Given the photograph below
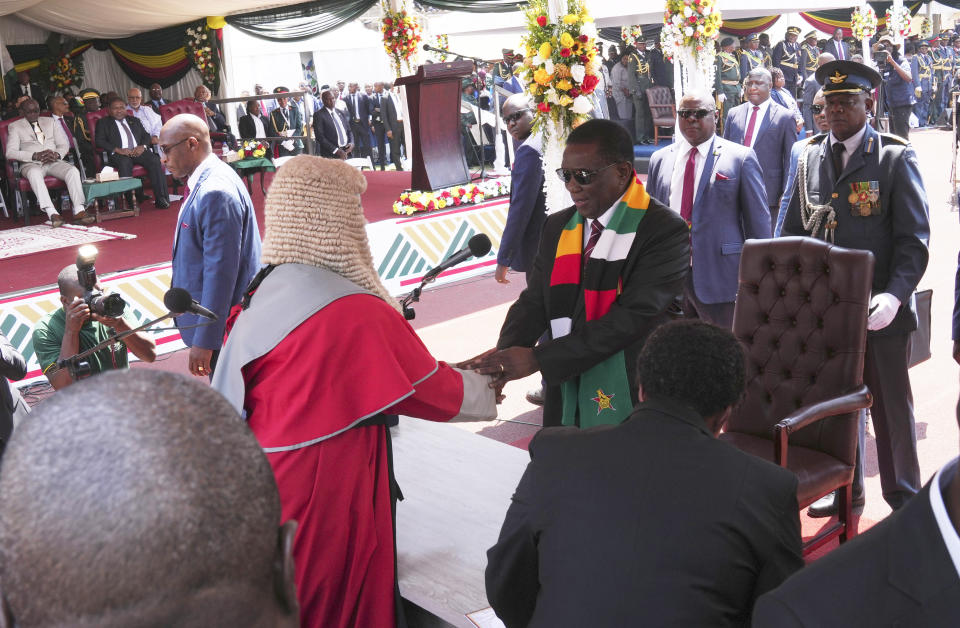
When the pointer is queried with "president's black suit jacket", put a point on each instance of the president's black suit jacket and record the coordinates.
(108, 135)
(653, 522)
(653, 275)
(897, 573)
(248, 130)
(325, 132)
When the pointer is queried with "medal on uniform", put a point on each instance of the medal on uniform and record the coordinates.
(864, 198)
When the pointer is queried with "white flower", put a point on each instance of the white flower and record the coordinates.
(688, 31)
(589, 29)
(548, 66)
(552, 97)
(686, 11)
(577, 72)
(581, 104)
(537, 61)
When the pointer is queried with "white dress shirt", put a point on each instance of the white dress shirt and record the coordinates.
(682, 152)
(149, 118)
(124, 137)
(851, 144)
(341, 133)
(756, 125)
(258, 126)
(603, 219)
(947, 531)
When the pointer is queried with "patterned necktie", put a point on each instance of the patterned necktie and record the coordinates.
(41, 137)
(748, 138)
(686, 199)
(838, 148)
(595, 230)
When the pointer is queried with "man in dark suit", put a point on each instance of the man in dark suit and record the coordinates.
(25, 87)
(216, 121)
(653, 522)
(837, 47)
(331, 128)
(13, 408)
(156, 97)
(766, 127)
(606, 271)
(863, 190)
(358, 106)
(377, 105)
(393, 124)
(901, 572)
(126, 143)
(717, 187)
(253, 124)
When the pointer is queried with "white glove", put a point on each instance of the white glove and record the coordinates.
(722, 98)
(883, 309)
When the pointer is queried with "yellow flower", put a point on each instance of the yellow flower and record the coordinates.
(566, 40)
(545, 50)
(541, 76)
(566, 101)
(564, 84)
(571, 18)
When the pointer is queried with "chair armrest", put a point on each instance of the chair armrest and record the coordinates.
(15, 165)
(859, 399)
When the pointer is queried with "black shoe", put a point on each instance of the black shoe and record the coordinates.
(143, 197)
(162, 204)
(827, 505)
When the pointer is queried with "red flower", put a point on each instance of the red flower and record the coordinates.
(692, 19)
(584, 59)
(542, 20)
(445, 194)
(589, 83)
(574, 92)
(584, 38)
(565, 52)
(456, 201)
(388, 21)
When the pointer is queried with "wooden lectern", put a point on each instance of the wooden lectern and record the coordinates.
(433, 103)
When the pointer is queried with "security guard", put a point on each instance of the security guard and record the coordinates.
(936, 88)
(862, 190)
(638, 83)
(921, 70)
(750, 56)
(727, 84)
(786, 56)
(90, 100)
(948, 63)
(809, 53)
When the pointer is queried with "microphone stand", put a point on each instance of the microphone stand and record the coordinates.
(476, 68)
(74, 363)
(414, 295)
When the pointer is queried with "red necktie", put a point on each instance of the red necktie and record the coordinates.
(748, 138)
(595, 230)
(686, 199)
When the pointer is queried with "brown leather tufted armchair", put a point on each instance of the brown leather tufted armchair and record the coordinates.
(801, 315)
(663, 110)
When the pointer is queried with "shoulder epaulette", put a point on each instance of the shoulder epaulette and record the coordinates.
(888, 138)
(817, 139)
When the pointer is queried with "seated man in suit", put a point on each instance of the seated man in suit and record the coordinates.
(156, 97)
(253, 124)
(120, 557)
(717, 187)
(653, 522)
(216, 122)
(40, 145)
(606, 271)
(332, 129)
(766, 127)
(126, 143)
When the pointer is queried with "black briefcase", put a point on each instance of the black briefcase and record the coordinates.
(919, 346)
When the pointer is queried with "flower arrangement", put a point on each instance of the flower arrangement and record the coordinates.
(926, 27)
(252, 149)
(442, 42)
(64, 72)
(631, 34)
(691, 25)
(472, 193)
(200, 52)
(401, 37)
(863, 22)
(898, 20)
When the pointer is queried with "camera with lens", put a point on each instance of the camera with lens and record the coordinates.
(112, 304)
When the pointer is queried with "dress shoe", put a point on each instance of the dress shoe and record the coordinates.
(143, 197)
(162, 204)
(56, 220)
(827, 505)
(83, 218)
(535, 396)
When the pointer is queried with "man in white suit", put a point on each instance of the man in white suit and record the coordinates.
(40, 145)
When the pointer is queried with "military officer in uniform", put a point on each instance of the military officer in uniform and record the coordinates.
(727, 84)
(750, 55)
(936, 87)
(921, 71)
(639, 82)
(764, 49)
(947, 62)
(809, 53)
(786, 56)
(862, 189)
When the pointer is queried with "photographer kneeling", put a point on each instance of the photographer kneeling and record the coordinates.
(74, 328)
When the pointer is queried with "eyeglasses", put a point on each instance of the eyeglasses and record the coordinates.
(581, 176)
(816, 109)
(515, 116)
(169, 148)
(699, 114)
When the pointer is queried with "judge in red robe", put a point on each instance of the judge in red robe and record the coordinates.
(317, 360)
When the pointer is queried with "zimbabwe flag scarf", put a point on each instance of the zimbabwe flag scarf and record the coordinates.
(600, 395)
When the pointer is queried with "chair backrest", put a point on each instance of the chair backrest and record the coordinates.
(663, 109)
(92, 119)
(187, 105)
(801, 316)
(4, 134)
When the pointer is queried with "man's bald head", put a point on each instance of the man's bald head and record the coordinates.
(185, 141)
(141, 498)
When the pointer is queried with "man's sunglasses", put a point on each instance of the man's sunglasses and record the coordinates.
(816, 109)
(699, 114)
(513, 117)
(581, 176)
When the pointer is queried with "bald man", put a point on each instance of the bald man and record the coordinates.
(118, 508)
(216, 248)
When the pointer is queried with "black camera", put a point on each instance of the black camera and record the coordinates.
(112, 304)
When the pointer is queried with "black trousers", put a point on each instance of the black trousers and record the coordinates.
(361, 138)
(381, 134)
(395, 143)
(151, 163)
(900, 120)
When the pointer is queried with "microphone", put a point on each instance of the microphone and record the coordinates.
(477, 246)
(179, 301)
(432, 49)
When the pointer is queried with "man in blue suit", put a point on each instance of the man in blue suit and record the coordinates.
(216, 249)
(766, 127)
(717, 187)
